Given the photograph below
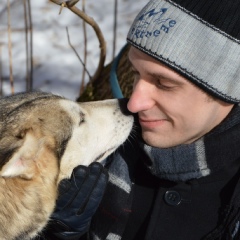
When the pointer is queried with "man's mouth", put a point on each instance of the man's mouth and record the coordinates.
(151, 123)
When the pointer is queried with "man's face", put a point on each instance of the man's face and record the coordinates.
(171, 109)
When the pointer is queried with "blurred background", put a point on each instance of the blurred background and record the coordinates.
(46, 46)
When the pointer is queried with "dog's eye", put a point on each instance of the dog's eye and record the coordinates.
(21, 135)
(81, 121)
(82, 118)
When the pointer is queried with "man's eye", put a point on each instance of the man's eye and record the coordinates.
(164, 86)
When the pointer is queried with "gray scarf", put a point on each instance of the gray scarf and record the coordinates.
(179, 163)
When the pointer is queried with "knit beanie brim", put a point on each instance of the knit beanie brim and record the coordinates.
(195, 46)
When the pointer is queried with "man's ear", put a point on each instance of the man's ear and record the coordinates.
(22, 161)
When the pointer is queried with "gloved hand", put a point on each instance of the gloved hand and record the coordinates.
(79, 198)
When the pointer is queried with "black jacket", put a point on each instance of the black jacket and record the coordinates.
(170, 211)
(164, 210)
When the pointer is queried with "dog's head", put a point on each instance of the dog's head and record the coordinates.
(46, 133)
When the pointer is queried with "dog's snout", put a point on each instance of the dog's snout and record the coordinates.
(123, 106)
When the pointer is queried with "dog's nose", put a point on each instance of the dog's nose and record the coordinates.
(123, 106)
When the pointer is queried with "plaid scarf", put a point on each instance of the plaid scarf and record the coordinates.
(181, 163)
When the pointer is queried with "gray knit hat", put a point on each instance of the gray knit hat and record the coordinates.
(200, 39)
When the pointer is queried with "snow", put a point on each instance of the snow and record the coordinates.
(56, 67)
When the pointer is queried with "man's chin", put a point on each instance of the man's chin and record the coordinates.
(152, 141)
(156, 141)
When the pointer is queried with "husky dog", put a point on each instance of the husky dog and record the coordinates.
(43, 137)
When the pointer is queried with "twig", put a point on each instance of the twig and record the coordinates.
(70, 5)
(10, 50)
(26, 42)
(85, 52)
(31, 45)
(70, 44)
(1, 79)
(115, 27)
(29, 54)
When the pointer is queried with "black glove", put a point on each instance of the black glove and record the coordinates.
(79, 198)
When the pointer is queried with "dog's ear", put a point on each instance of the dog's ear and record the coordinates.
(22, 159)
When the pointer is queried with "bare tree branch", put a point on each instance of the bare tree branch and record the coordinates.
(115, 28)
(70, 44)
(10, 50)
(1, 79)
(31, 45)
(26, 43)
(82, 87)
(102, 44)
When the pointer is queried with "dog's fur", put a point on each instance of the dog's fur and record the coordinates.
(43, 137)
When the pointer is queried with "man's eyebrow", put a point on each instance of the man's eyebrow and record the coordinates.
(157, 75)
(165, 77)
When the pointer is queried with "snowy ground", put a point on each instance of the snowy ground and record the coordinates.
(56, 67)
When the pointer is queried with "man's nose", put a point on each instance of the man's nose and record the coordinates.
(141, 98)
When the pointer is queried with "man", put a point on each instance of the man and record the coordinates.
(179, 179)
